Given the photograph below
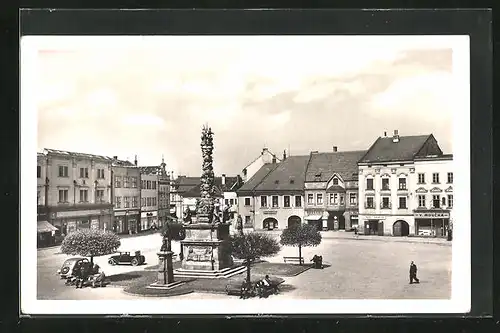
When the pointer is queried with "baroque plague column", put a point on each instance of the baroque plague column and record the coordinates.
(206, 248)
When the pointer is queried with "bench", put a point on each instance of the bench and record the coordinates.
(296, 260)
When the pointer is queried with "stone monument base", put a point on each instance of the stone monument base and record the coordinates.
(167, 286)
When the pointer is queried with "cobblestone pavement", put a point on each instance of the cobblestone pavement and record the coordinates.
(357, 269)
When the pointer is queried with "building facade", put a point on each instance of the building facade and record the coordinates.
(126, 197)
(251, 169)
(388, 183)
(149, 198)
(163, 195)
(77, 190)
(273, 198)
(433, 195)
(331, 189)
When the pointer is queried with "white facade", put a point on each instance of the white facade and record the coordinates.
(389, 200)
(264, 158)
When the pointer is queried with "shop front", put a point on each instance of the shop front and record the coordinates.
(148, 220)
(432, 223)
(72, 220)
(354, 223)
(125, 222)
(374, 225)
(317, 218)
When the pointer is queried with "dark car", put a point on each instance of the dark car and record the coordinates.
(66, 270)
(126, 258)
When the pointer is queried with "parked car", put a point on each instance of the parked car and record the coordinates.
(425, 232)
(126, 258)
(68, 265)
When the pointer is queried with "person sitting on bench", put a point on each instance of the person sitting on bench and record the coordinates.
(97, 276)
(317, 261)
(245, 289)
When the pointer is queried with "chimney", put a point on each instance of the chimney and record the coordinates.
(284, 155)
(223, 179)
(264, 150)
(385, 134)
(115, 157)
(395, 137)
(334, 149)
(135, 160)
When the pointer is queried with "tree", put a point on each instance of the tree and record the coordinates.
(90, 243)
(252, 246)
(301, 235)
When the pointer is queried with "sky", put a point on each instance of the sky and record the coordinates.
(151, 96)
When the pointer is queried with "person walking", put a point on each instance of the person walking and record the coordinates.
(355, 232)
(413, 273)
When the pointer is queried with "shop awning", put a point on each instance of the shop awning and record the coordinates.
(313, 217)
(44, 226)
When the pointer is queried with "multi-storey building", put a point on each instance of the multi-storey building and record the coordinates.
(178, 188)
(77, 190)
(149, 197)
(275, 199)
(433, 195)
(265, 157)
(126, 196)
(388, 180)
(331, 189)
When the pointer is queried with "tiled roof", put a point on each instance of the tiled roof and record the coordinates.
(76, 155)
(123, 163)
(255, 180)
(287, 176)
(150, 170)
(190, 186)
(384, 150)
(322, 166)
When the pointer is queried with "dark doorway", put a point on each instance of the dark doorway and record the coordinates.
(270, 223)
(317, 223)
(293, 221)
(400, 228)
(372, 227)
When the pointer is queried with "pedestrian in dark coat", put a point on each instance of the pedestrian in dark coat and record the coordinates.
(413, 273)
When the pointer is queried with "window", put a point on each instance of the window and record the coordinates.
(385, 202)
(100, 173)
(263, 201)
(319, 198)
(450, 177)
(135, 201)
(84, 195)
(38, 197)
(421, 200)
(226, 202)
(369, 202)
(126, 181)
(99, 196)
(232, 202)
(298, 201)
(402, 203)
(286, 201)
(421, 178)
(402, 183)
(331, 198)
(148, 201)
(435, 201)
(84, 172)
(63, 195)
(153, 183)
(126, 202)
(335, 181)
(310, 199)
(63, 171)
(143, 184)
(450, 200)
(118, 202)
(443, 201)
(369, 184)
(247, 201)
(275, 201)
(352, 198)
(118, 181)
(435, 178)
(148, 184)
(155, 201)
(143, 202)
(248, 220)
(133, 181)
(385, 183)
(38, 171)
(341, 199)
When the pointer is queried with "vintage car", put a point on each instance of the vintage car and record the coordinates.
(66, 270)
(126, 258)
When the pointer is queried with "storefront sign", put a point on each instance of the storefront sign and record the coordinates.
(270, 212)
(375, 217)
(78, 213)
(432, 215)
(354, 216)
(149, 214)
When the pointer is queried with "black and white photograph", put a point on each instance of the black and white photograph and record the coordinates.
(252, 174)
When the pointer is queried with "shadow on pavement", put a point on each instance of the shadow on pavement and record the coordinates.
(123, 277)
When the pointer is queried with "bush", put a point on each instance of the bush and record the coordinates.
(90, 243)
(301, 236)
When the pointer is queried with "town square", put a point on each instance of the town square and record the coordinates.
(239, 176)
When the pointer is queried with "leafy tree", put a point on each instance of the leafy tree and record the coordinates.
(301, 235)
(252, 246)
(90, 243)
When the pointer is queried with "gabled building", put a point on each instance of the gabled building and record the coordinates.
(274, 196)
(150, 178)
(251, 169)
(394, 193)
(331, 189)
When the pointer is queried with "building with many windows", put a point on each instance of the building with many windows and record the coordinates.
(273, 197)
(75, 190)
(389, 188)
(331, 189)
(126, 196)
(149, 197)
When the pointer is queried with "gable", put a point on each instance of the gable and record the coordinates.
(430, 147)
(436, 190)
(421, 190)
